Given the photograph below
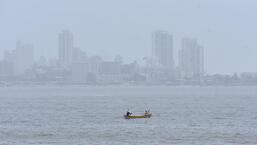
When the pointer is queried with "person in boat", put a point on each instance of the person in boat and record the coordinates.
(147, 112)
(128, 113)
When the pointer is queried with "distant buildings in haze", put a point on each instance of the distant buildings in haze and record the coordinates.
(24, 57)
(162, 49)
(19, 60)
(66, 47)
(74, 66)
(191, 58)
(190, 63)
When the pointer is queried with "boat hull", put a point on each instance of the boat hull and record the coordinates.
(138, 117)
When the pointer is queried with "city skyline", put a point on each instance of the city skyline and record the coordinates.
(74, 66)
(113, 28)
(67, 36)
(162, 50)
(111, 57)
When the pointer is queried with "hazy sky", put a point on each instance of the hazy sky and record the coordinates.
(226, 28)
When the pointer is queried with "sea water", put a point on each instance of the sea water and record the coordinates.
(93, 115)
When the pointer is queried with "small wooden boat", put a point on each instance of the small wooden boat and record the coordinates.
(138, 116)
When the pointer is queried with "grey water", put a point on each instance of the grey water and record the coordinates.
(87, 115)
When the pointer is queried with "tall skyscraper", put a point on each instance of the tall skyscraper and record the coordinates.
(66, 47)
(162, 49)
(191, 57)
(24, 57)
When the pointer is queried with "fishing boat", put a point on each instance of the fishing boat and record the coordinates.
(146, 115)
(137, 116)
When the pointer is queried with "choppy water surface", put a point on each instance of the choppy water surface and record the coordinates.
(93, 115)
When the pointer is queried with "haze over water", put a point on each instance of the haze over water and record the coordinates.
(70, 70)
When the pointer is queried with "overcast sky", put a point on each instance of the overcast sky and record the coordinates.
(226, 28)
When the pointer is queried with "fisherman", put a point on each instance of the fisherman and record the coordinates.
(147, 112)
(128, 113)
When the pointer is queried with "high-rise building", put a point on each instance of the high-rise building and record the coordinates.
(24, 57)
(191, 56)
(66, 47)
(162, 49)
